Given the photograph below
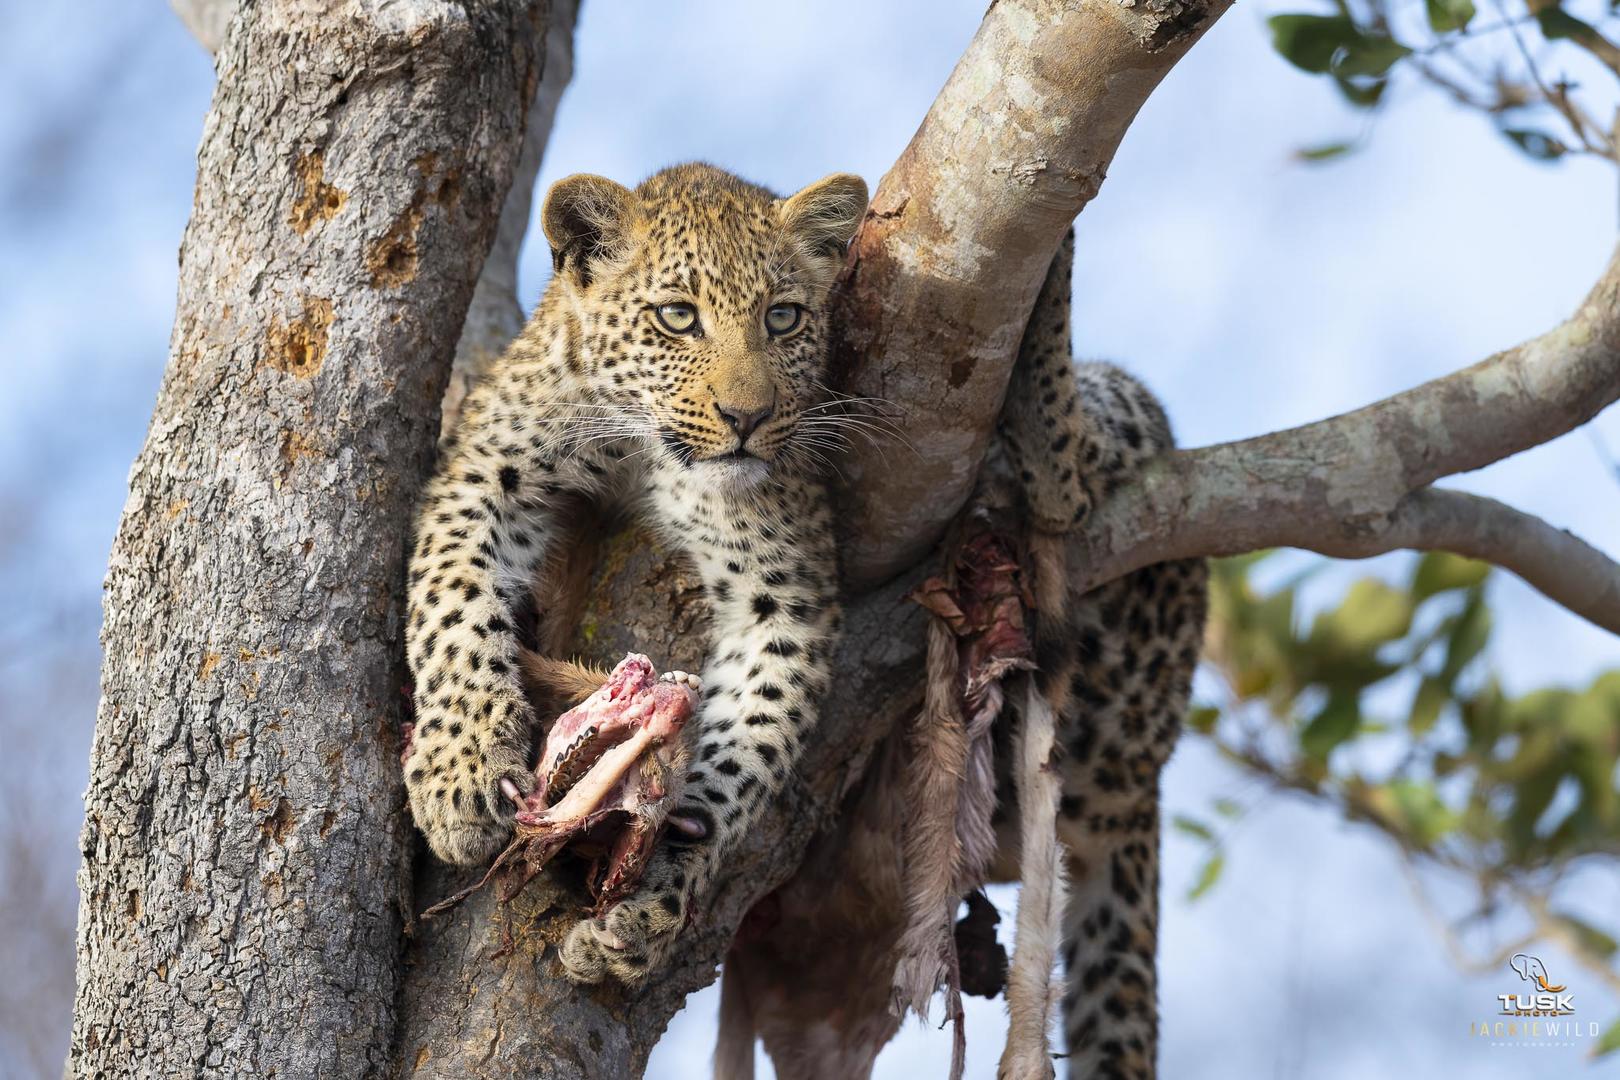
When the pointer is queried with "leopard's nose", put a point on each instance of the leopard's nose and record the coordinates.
(743, 421)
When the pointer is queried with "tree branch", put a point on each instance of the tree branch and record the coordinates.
(961, 232)
(1354, 485)
(1566, 569)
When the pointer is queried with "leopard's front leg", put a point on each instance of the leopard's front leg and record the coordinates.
(767, 561)
(485, 522)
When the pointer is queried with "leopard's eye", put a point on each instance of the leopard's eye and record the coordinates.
(783, 318)
(677, 318)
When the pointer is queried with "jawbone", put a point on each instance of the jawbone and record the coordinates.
(610, 772)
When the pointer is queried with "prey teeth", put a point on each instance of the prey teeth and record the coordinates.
(573, 762)
(682, 678)
(580, 755)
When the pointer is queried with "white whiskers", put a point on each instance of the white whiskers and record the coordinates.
(588, 425)
(834, 424)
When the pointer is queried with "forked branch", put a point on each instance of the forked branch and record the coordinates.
(1358, 484)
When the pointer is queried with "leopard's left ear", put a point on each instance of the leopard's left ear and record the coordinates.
(828, 212)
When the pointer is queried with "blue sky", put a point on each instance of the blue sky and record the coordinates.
(1252, 293)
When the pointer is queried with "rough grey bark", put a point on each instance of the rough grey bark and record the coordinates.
(496, 314)
(246, 859)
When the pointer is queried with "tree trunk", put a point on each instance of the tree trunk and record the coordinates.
(246, 857)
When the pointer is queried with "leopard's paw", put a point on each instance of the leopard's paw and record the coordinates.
(464, 791)
(633, 938)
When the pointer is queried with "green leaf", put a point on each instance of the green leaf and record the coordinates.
(1609, 1042)
(1426, 818)
(1275, 617)
(1202, 719)
(1531, 797)
(1606, 687)
(1369, 54)
(1593, 719)
(1228, 808)
(1536, 144)
(1447, 15)
(1441, 571)
(1371, 614)
(1558, 24)
(1592, 939)
(1431, 697)
(1310, 42)
(1362, 93)
(1324, 152)
(1483, 716)
(1193, 827)
(1336, 722)
(1207, 876)
(1541, 713)
(1468, 636)
(1333, 44)
(1252, 681)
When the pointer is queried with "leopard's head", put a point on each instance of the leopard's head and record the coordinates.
(701, 302)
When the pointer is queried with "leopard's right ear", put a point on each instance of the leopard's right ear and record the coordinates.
(587, 220)
(828, 212)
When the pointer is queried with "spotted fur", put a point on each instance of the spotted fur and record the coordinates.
(1116, 666)
(702, 431)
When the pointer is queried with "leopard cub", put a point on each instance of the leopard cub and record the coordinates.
(668, 366)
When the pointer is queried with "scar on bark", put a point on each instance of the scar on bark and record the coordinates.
(392, 258)
(317, 200)
(298, 348)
